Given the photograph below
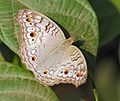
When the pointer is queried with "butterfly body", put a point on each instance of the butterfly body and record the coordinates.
(47, 53)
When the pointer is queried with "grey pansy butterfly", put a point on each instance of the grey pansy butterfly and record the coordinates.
(47, 53)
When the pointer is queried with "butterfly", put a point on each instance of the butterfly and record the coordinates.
(47, 53)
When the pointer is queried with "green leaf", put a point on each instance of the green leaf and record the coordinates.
(8, 24)
(108, 12)
(116, 3)
(96, 94)
(1, 57)
(17, 84)
(16, 60)
(75, 16)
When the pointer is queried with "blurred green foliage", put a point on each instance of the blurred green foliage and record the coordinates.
(108, 13)
(107, 72)
(108, 80)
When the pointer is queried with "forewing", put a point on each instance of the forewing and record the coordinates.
(39, 37)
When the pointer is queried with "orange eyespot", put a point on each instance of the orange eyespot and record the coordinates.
(33, 34)
(66, 71)
(34, 58)
(28, 19)
(45, 72)
(78, 74)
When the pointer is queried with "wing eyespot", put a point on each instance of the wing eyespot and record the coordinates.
(66, 71)
(30, 29)
(28, 15)
(31, 41)
(28, 19)
(61, 72)
(33, 51)
(45, 72)
(32, 34)
(51, 72)
(78, 74)
(29, 24)
(34, 58)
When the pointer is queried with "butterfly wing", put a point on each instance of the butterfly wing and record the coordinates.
(39, 37)
(65, 65)
(45, 53)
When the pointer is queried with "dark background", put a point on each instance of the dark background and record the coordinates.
(107, 77)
